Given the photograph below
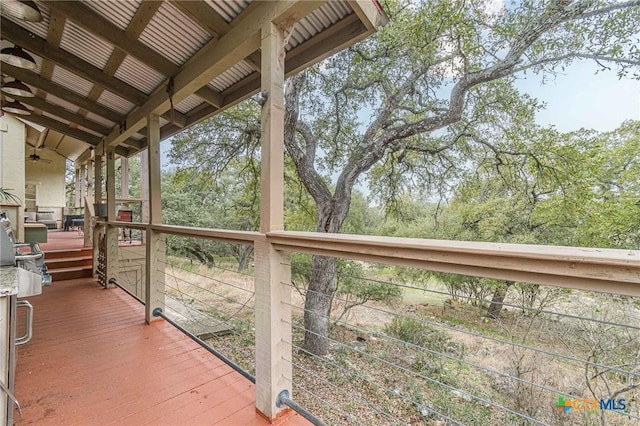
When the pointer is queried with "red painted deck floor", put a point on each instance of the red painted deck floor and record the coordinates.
(93, 361)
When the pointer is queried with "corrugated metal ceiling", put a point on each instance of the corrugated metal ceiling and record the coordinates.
(170, 32)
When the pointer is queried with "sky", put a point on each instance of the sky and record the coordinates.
(580, 98)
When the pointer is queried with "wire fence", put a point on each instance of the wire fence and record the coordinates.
(411, 347)
(438, 353)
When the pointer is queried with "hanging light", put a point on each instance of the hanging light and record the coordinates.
(17, 57)
(16, 107)
(17, 88)
(24, 10)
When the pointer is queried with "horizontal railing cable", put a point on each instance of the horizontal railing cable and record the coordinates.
(365, 379)
(206, 276)
(207, 290)
(222, 321)
(422, 376)
(495, 339)
(450, 357)
(477, 299)
(159, 313)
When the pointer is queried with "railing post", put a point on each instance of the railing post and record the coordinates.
(97, 191)
(155, 248)
(273, 313)
(111, 231)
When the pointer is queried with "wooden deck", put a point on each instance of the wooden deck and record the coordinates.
(93, 361)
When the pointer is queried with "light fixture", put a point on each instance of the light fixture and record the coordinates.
(24, 10)
(17, 88)
(16, 107)
(17, 57)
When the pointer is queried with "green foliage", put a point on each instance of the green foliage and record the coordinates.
(6, 195)
(415, 332)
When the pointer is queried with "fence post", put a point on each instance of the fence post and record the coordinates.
(111, 232)
(155, 247)
(272, 273)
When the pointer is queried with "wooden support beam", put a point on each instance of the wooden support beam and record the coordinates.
(331, 40)
(602, 270)
(204, 15)
(33, 79)
(72, 63)
(370, 13)
(73, 117)
(214, 58)
(273, 295)
(63, 128)
(103, 28)
(112, 232)
(175, 117)
(127, 41)
(155, 242)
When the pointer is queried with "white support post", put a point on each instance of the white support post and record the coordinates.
(272, 274)
(76, 187)
(97, 193)
(144, 186)
(124, 177)
(83, 184)
(155, 245)
(111, 231)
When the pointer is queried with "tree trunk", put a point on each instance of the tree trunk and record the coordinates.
(243, 257)
(317, 304)
(493, 311)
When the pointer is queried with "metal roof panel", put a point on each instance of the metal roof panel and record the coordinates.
(231, 76)
(172, 34)
(118, 12)
(139, 75)
(71, 81)
(115, 102)
(99, 119)
(317, 21)
(189, 103)
(228, 9)
(62, 103)
(86, 46)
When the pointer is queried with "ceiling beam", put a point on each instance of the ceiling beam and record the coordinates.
(101, 27)
(65, 114)
(72, 63)
(322, 45)
(126, 41)
(63, 128)
(33, 79)
(214, 58)
(204, 15)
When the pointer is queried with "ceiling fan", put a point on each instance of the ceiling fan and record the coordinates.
(36, 158)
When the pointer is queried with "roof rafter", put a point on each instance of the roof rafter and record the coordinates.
(47, 86)
(72, 63)
(215, 58)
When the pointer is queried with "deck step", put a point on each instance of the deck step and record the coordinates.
(67, 264)
(62, 274)
(63, 254)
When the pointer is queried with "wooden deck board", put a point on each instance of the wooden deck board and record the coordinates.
(93, 361)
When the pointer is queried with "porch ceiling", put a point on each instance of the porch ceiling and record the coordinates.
(103, 66)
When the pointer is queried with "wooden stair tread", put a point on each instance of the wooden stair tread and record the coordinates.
(67, 259)
(74, 269)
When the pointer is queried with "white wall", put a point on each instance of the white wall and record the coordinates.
(12, 165)
(49, 178)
